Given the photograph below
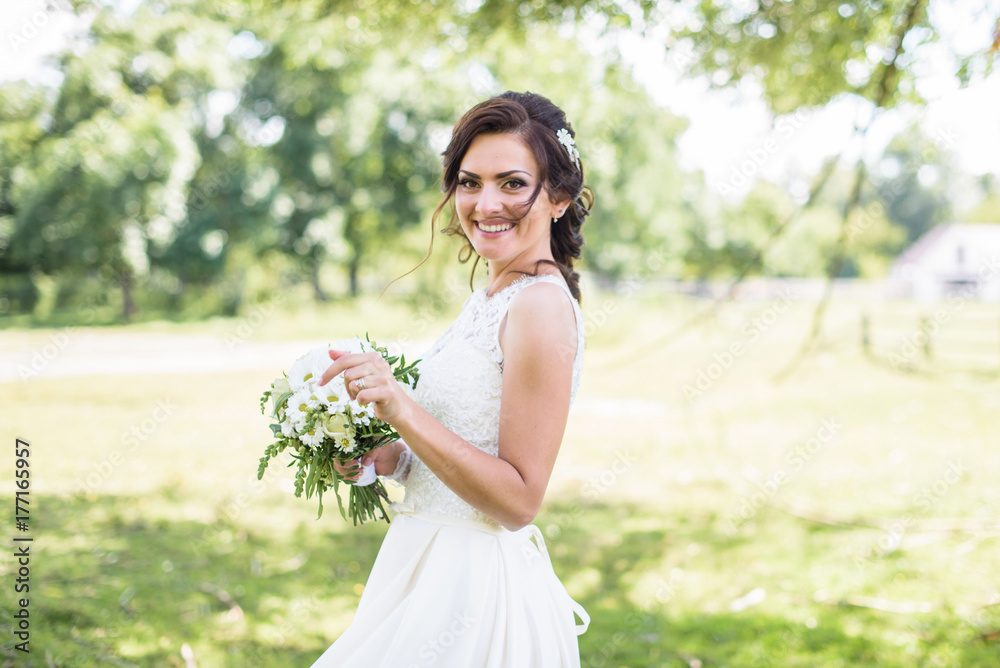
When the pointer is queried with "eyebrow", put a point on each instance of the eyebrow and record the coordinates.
(501, 175)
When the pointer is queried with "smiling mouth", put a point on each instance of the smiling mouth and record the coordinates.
(498, 227)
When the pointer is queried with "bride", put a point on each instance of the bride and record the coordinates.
(463, 578)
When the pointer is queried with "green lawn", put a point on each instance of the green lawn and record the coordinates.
(704, 514)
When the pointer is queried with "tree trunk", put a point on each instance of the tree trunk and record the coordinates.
(128, 305)
(354, 238)
(352, 269)
(318, 292)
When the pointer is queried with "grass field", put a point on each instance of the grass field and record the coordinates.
(703, 513)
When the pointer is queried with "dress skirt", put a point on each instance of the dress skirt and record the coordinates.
(454, 593)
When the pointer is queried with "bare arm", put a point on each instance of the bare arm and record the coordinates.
(537, 379)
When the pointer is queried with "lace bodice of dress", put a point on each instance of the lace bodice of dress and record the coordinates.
(460, 385)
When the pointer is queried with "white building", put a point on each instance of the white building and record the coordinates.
(951, 259)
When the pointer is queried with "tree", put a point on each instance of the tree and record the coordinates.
(913, 184)
(110, 157)
(988, 210)
(806, 54)
(354, 143)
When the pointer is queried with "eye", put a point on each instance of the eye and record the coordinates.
(467, 183)
(515, 184)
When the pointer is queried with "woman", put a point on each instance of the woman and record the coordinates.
(462, 578)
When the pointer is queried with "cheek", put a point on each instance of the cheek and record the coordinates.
(464, 204)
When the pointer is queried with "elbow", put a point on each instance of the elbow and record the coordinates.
(520, 517)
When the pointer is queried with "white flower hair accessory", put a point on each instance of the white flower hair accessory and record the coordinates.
(566, 140)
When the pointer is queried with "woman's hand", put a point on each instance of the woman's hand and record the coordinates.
(385, 459)
(369, 380)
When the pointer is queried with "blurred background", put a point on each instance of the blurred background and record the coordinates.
(783, 451)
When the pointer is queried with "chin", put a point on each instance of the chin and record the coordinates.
(487, 254)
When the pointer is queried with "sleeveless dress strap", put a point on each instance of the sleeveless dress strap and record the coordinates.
(555, 280)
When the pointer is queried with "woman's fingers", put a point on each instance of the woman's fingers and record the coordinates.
(376, 373)
(353, 365)
(335, 368)
(350, 469)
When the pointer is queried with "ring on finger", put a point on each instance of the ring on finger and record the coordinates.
(360, 382)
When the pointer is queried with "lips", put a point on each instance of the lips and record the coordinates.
(495, 226)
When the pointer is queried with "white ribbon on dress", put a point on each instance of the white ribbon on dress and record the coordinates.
(536, 533)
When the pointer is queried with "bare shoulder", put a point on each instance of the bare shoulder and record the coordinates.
(543, 313)
(544, 297)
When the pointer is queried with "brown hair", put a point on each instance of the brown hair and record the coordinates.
(536, 120)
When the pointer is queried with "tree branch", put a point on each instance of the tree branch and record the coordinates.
(886, 87)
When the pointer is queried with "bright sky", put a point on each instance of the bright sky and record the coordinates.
(731, 132)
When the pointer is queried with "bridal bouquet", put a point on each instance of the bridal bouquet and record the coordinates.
(320, 424)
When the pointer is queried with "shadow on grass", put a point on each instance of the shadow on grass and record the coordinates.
(679, 622)
(115, 585)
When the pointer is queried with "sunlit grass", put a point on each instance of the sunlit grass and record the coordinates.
(148, 543)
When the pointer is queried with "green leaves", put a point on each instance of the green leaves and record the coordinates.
(408, 375)
(805, 54)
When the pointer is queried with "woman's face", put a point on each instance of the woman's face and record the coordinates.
(496, 177)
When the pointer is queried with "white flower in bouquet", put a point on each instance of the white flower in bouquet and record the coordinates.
(336, 425)
(297, 408)
(279, 387)
(364, 414)
(333, 395)
(307, 369)
(313, 438)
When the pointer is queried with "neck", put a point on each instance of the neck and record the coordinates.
(501, 273)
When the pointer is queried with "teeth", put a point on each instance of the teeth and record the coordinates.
(495, 228)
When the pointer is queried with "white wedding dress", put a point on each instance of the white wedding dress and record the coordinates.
(450, 587)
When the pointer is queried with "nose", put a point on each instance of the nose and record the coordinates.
(490, 201)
